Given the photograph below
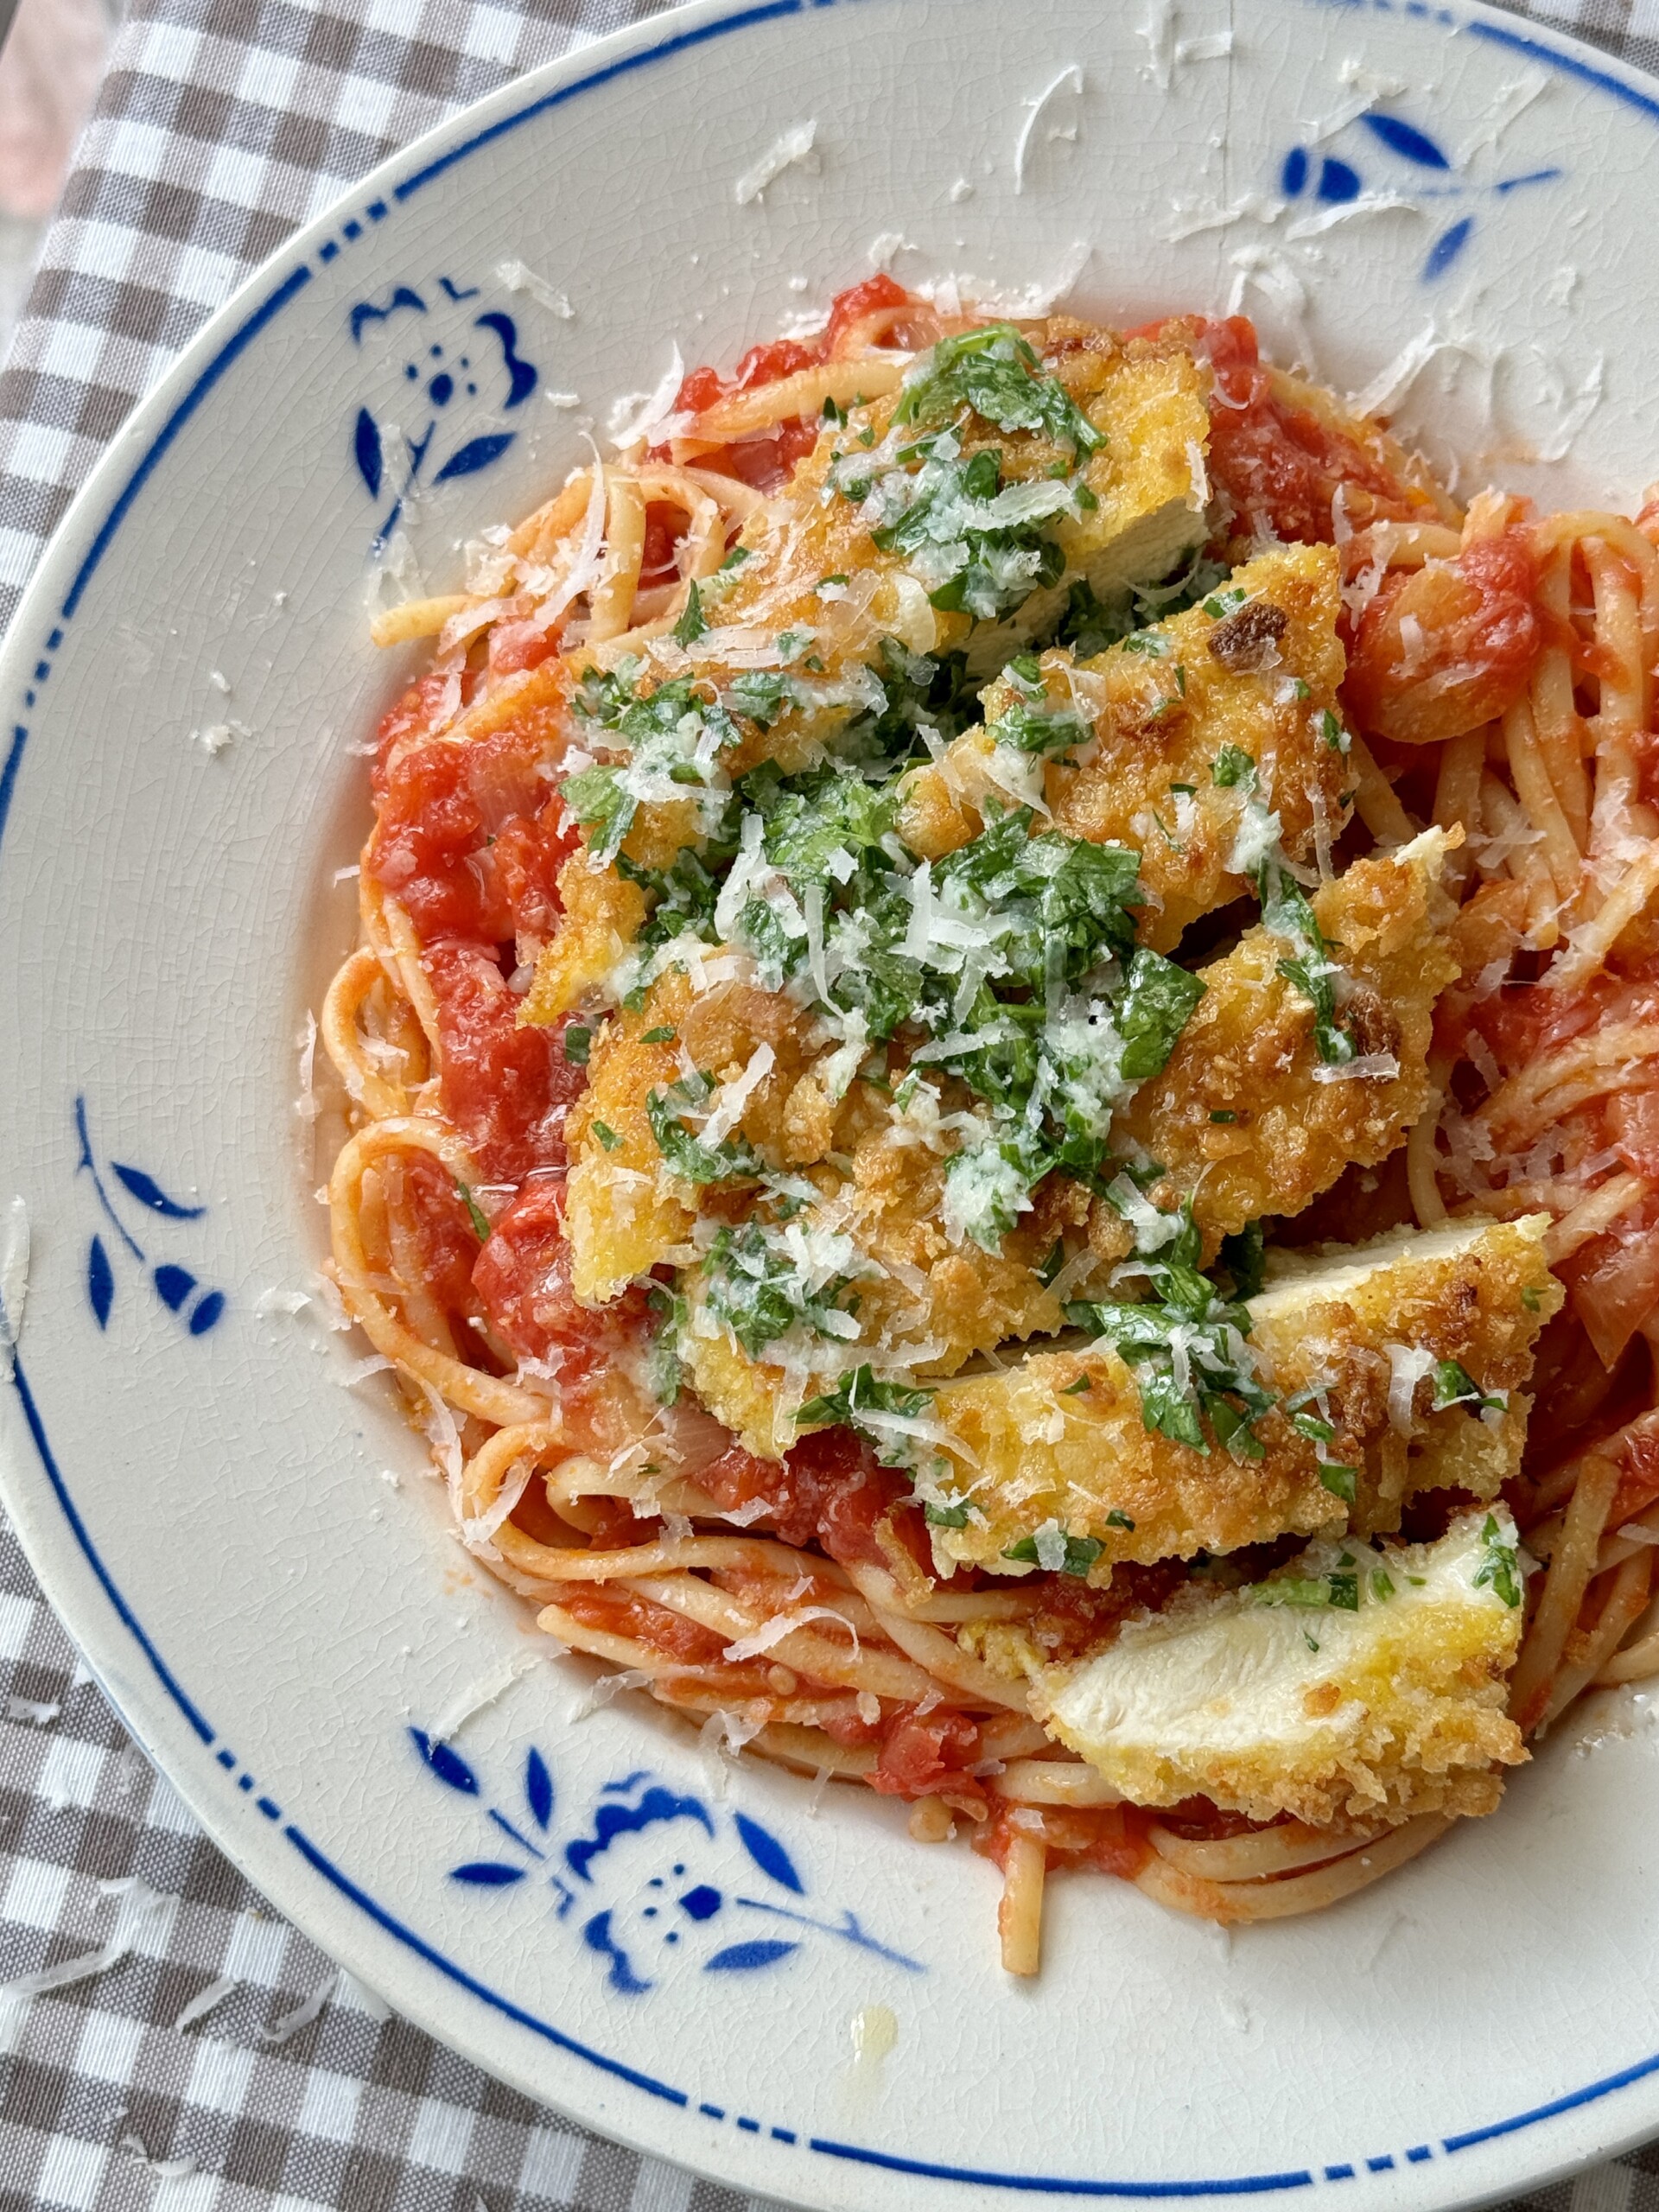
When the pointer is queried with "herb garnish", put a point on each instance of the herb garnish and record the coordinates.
(687, 1155)
(1186, 1347)
(1454, 1386)
(691, 625)
(993, 371)
(861, 1392)
(1056, 1552)
(1500, 1566)
(761, 1289)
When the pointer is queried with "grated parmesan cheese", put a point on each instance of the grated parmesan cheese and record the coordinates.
(1071, 75)
(492, 1688)
(518, 276)
(305, 1105)
(782, 1624)
(648, 416)
(720, 1740)
(1347, 210)
(791, 148)
(730, 1100)
(288, 2024)
(13, 1281)
(604, 1687)
(1376, 1067)
(1408, 1365)
(36, 1712)
(204, 2002)
(1367, 88)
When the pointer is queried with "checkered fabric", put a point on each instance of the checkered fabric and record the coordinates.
(218, 2063)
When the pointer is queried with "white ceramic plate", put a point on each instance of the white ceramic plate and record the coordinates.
(581, 1908)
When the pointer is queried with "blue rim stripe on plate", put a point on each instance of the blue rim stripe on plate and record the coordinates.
(236, 344)
(129, 1618)
(769, 11)
(1568, 2103)
(348, 1888)
(255, 323)
(1574, 65)
(1246, 2185)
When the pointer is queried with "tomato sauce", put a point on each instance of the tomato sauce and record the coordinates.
(828, 1491)
(470, 837)
(1524, 1021)
(446, 1241)
(1281, 465)
(766, 461)
(506, 1089)
(618, 1612)
(1111, 1838)
(1448, 647)
(523, 1276)
(926, 1755)
(1638, 1485)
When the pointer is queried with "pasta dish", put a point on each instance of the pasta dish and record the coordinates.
(1003, 1074)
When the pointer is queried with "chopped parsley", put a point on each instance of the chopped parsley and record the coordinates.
(601, 806)
(995, 372)
(1090, 625)
(578, 1043)
(1454, 1386)
(664, 1372)
(1076, 1389)
(763, 694)
(1337, 1592)
(607, 1135)
(665, 1035)
(818, 824)
(1500, 1566)
(1058, 1553)
(764, 1282)
(1286, 911)
(861, 1392)
(691, 625)
(1040, 725)
(976, 546)
(1244, 1257)
(1153, 1011)
(1186, 1347)
(672, 739)
(687, 1155)
(474, 1211)
(1232, 765)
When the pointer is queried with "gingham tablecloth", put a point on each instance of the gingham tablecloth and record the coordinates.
(218, 2063)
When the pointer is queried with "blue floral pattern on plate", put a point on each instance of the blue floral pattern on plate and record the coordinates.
(180, 1292)
(467, 362)
(633, 1873)
(1419, 163)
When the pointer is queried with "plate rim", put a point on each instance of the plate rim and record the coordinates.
(47, 605)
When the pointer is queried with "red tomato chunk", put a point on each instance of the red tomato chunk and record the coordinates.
(523, 1275)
